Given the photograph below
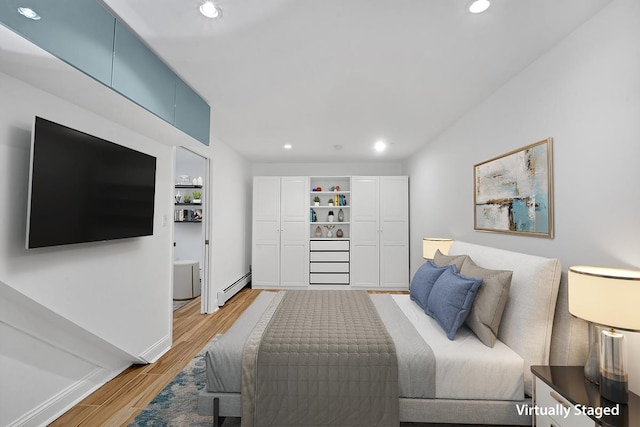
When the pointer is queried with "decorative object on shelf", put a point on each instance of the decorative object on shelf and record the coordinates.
(340, 215)
(200, 182)
(607, 297)
(318, 231)
(514, 192)
(184, 180)
(178, 197)
(187, 198)
(194, 181)
(316, 201)
(339, 233)
(317, 189)
(330, 202)
(196, 197)
(329, 228)
(197, 215)
(337, 188)
(333, 188)
(330, 216)
(430, 245)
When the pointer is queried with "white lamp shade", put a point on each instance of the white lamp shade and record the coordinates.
(431, 244)
(606, 296)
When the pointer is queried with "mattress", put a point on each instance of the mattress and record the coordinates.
(466, 368)
(463, 369)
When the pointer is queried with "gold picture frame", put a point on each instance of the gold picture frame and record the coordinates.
(513, 193)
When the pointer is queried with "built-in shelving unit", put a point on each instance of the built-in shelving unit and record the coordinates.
(329, 230)
(187, 212)
(338, 191)
(365, 244)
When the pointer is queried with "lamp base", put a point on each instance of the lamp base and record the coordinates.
(614, 389)
(613, 370)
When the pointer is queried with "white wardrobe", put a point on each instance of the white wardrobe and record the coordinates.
(380, 232)
(280, 240)
(372, 248)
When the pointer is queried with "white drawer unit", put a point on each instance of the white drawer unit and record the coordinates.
(555, 410)
(332, 256)
(329, 262)
(329, 245)
(329, 278)
(329, 267)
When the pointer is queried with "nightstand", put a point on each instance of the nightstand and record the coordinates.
(564, 398)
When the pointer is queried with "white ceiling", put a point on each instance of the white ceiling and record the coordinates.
(320, 74)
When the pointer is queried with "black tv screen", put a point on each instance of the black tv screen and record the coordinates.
(86, 189)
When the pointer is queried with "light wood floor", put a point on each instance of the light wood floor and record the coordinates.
(119, 401)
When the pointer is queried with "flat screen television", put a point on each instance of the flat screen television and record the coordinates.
(85, 189)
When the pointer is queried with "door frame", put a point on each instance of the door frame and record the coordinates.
(206, 302)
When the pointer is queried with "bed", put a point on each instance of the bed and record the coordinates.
(439, 380)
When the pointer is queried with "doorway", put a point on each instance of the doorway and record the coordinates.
(191, 228)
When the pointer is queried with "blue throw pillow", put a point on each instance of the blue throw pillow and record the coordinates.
(451, 299)
(423, 281)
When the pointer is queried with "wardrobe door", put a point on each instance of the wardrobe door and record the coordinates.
(394, 232)
(365, 231)
(294, 250)
(265, 258)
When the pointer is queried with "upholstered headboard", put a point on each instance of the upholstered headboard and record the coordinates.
(570, 338)
(530, 324)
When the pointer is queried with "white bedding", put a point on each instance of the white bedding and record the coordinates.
(466, 368)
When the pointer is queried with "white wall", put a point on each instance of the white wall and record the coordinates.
(585, 93)
(327, 169)
(117, 291)
(231, 216)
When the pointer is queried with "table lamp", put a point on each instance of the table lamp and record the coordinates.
(430, 246)
(608, 297)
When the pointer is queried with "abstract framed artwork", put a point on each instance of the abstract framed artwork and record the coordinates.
(514, 192)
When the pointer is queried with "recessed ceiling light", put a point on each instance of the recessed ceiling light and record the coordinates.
(210, 10)
(27, 12)
(288, 146)
(380, 146)
(479, 6)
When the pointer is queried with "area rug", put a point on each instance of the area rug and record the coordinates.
(177, 404)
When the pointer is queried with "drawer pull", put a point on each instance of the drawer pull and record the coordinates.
(559, 399)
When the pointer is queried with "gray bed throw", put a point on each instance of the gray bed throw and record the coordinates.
(320, 358)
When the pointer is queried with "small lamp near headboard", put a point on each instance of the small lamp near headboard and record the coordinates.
(607, 297)
(430, 245)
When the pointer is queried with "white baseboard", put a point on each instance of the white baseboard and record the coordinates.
(57, 405)
(154, 352)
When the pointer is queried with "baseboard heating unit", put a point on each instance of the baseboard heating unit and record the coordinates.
(228, 292)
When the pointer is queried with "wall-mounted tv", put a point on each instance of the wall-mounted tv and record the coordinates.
(85, 189)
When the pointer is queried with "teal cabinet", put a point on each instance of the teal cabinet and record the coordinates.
(141, 76)
(193, 114)
(85, 35)
(78, 32)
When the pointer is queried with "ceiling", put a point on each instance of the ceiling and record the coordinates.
(332, 77)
